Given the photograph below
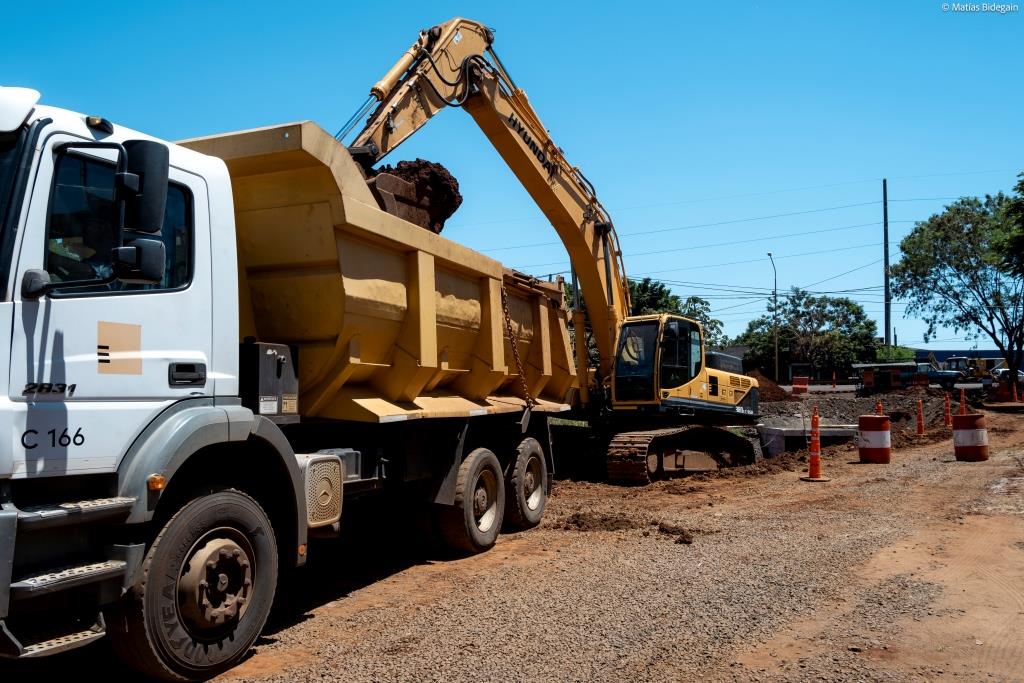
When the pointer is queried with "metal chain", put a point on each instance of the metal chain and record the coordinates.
(515, 348)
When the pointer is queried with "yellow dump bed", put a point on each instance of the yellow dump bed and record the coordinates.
(392, 321)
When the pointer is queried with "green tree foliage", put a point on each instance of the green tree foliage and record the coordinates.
(953, 274)
(1010, 243)
(699, 309)
(894, 354)
(828, 332)
(650, 296)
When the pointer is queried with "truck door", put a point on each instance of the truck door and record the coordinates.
(90, 368)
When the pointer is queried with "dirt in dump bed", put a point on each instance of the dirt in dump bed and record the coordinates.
(437, 190)
(769, 390)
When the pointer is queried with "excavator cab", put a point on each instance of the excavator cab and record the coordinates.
(655, 353)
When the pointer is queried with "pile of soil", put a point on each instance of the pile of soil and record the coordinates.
(437, 190)
(769, 390)
(596, 521)
(901, 407)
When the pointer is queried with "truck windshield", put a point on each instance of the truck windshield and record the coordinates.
(8, 168)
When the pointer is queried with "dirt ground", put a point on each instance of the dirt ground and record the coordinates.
(907, 571)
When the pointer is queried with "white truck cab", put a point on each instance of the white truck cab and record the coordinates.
(123, 363)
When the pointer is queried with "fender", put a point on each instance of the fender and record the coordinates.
(188, 426)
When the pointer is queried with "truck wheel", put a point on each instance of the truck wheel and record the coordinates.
(526, 491)
(473, 522)
(205, 592)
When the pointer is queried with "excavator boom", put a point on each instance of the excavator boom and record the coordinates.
(453, 65)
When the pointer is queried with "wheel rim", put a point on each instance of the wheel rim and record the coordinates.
(215, 582)
(485, 500)
(533, 483)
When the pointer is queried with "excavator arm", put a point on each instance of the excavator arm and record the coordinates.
(453, 65)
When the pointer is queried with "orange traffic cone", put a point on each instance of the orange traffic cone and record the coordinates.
(963, 401)
(920, 417)
(814, 461)
(948, 417)
(878, 407)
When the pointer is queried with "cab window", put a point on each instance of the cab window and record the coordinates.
(82, 228)
(680, 353)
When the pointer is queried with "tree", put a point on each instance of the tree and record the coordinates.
(1010, 243)
(650, 296)
(954, 274)
(829, 333)
(696, 308)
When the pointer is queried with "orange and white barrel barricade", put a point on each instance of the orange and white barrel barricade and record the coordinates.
(873, 439)
(970, 438)
(800, 384)
(814, 460)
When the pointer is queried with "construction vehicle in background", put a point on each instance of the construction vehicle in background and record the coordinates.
(212, 344)
(654, 394)
(974, 369)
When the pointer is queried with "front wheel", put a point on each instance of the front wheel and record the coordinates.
(206, 589)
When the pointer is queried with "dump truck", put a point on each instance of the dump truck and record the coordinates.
(214, 343)
(209, 351)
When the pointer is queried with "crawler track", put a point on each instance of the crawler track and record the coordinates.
(637, 458)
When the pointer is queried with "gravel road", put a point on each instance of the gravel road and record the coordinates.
(762, 577)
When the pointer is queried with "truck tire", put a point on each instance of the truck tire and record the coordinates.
(206, 587)
(526, 490)
(472, 523)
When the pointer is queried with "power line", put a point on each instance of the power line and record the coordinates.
(754, 194)
(721, 244)
(730, 263)
(696, 226)
(852, 270)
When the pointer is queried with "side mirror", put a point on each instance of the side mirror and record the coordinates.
(140, 261)
(145, 186)
(35, 284)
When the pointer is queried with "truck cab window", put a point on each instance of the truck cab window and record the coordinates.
(82, 228)
(8, 166)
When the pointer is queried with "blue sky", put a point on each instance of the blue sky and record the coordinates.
(690, 118)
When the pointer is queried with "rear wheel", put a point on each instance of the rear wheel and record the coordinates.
(473, 522)
(206, 589)
(526, 490)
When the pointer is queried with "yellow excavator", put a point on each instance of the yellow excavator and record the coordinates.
(659, 400)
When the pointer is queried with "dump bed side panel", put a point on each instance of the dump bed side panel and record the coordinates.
(391, 321)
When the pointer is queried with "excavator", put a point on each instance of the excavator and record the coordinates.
(659, 401)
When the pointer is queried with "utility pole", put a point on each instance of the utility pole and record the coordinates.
(885, 238)
(775, 314)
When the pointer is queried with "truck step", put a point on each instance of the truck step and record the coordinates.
(64, 579)
(61, 643)
(77, 512)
